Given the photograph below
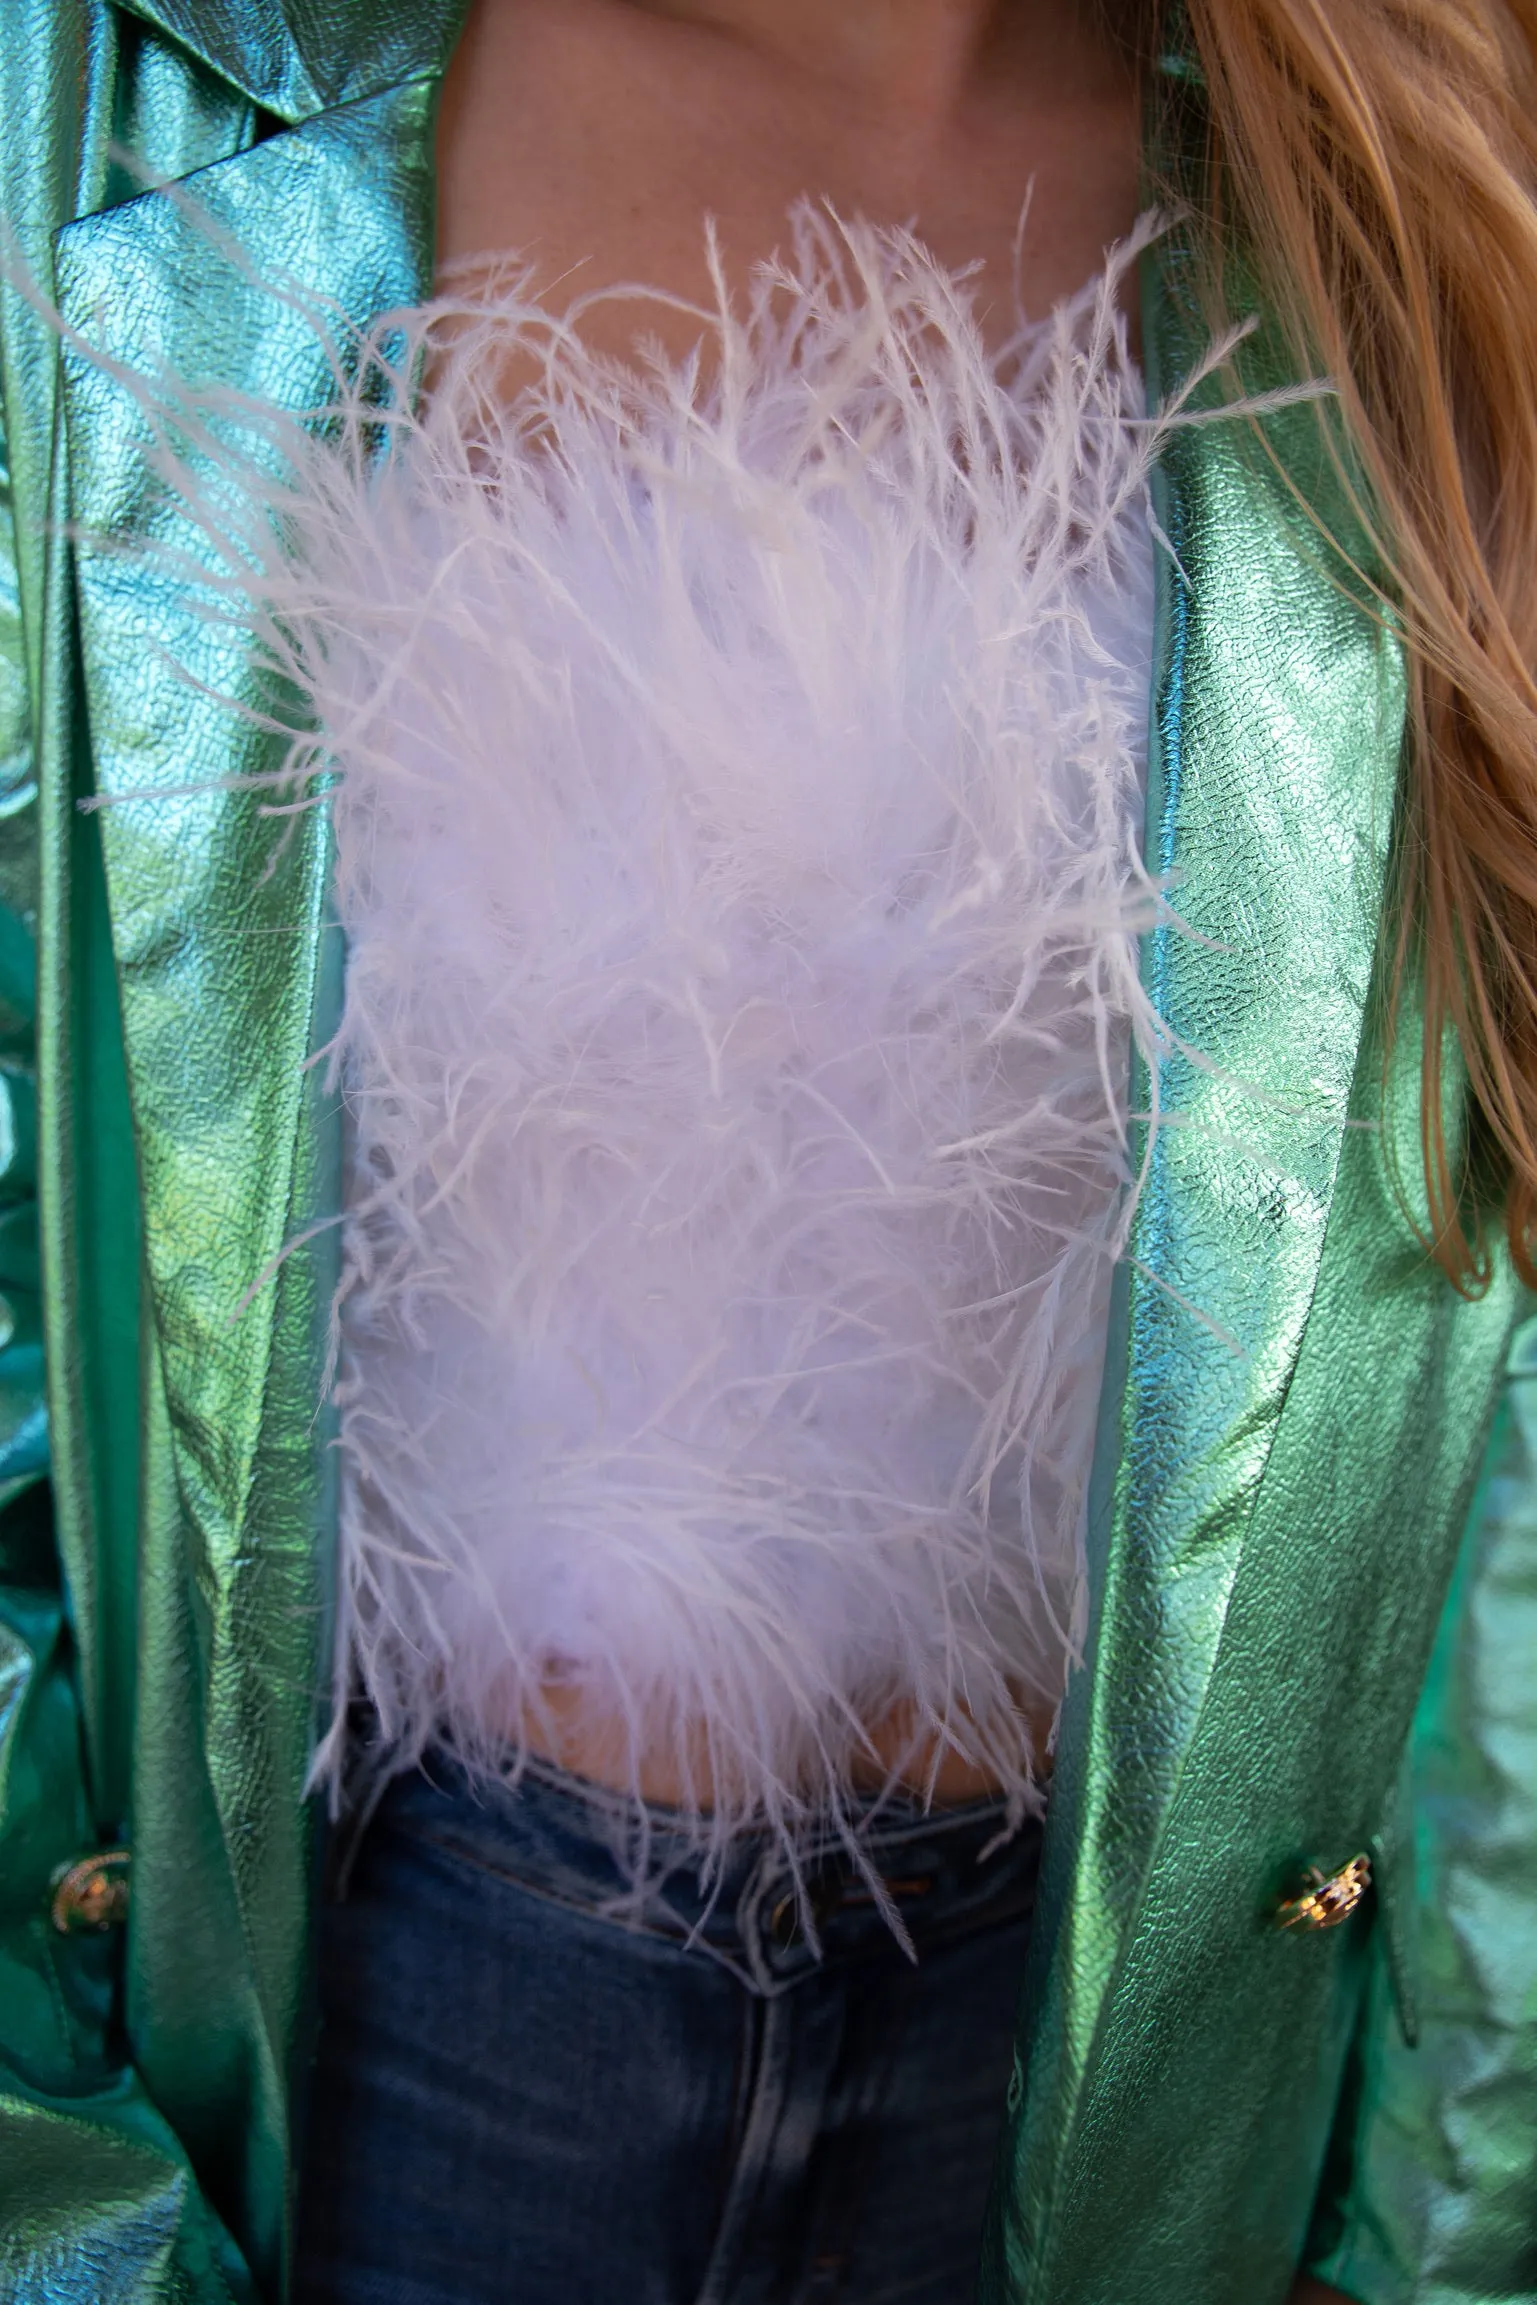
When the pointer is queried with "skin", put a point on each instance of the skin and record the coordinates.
(593, 138)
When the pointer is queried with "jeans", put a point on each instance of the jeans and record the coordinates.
(526, 2096)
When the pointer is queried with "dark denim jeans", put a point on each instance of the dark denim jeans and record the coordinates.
(524, 2099)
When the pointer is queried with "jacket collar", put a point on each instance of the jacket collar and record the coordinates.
(295, 58)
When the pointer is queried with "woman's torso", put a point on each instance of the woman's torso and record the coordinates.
(596, 140)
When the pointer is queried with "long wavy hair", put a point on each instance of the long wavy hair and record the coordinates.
(1379, 158)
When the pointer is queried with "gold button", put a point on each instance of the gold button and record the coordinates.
(92, 1893)
(1327, 1898)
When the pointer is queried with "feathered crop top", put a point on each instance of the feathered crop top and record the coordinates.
(737, 814)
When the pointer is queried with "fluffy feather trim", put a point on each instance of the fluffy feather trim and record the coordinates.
(737, 850)
(736, 780)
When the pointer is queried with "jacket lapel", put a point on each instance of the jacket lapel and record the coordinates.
(228, 979)
(1288, 1439)
(296, 58)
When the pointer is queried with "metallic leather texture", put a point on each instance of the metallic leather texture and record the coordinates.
(188, 1471)
(298, 57)
(1437, 2149)
(1294, 1410)
(228, 978)
(95, 2192)
(1288, 1447)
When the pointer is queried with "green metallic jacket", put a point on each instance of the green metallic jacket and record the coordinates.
(1288, 1487)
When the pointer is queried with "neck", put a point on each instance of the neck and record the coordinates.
(920, 59)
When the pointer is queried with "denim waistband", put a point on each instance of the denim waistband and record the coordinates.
(941, 1871)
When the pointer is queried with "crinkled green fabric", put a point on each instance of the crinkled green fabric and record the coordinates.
(1294, 1412)
(175, 1695)
(1437, 2145)
(97, 2196)
(228, 982)
(1288, 1446)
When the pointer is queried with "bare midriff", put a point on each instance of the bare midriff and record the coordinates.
(565, 1726)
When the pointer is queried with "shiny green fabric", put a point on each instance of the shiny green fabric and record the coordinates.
(1284, 1476)
(189, 1472)
(228, 982)
(96, 2197)
(1288, 1448)
(1438, 2161)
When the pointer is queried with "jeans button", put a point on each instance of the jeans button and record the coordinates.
(786, 1922)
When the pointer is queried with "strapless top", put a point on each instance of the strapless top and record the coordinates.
(738, 775)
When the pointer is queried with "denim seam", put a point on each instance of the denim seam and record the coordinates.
(676, 1938)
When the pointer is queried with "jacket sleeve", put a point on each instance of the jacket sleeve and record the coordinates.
(1439, 2152)
(96, 2195)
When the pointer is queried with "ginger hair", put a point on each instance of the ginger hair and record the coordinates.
(1379, 158)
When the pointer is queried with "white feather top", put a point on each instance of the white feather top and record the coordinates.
(737, 846)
